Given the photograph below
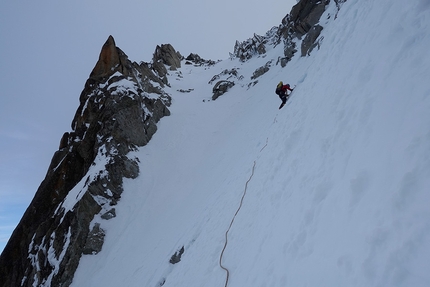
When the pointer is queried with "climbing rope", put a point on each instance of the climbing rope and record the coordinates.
(267, 140)
(231, 223)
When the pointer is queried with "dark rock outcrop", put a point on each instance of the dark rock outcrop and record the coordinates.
(260, 71)
(247, 49)
(95, 239)
(119, 107)
(303, 19)
(221, 88)
(165, 55)
(64, 142)
(176, 258)
(309, 42)
(109, 61)
(227, 75)
(305, 14)
(195, 59)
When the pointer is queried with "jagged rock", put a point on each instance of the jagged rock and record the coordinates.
(282, 61)
(289, 47)
(246, 49)
(185, 91)
(305, 14)
(94, 241)
(197, 60)
(220, 88)
(260, 71)
(308, 43)
(115, 115)
(338, 5)
(304, 17)
(166, 55)
(111, 60)
(226, 74)
(176, 258)
(109, 214)
(64, 140)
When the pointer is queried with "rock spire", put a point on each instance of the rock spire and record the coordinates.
(119, 107)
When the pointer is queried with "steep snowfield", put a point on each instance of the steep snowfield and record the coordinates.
(335, 186)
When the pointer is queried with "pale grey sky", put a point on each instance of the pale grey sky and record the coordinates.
(48, 48)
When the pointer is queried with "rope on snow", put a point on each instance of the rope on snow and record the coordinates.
(267, 140)
(231, 223)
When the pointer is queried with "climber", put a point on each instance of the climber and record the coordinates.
(281, 91)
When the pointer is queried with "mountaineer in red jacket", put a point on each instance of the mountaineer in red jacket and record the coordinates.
(281, 91)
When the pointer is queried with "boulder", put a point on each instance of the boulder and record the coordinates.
(221, 88)
(95, 239)
(176, 258)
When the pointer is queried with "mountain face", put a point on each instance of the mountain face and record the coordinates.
(321, 179)
(119, 108)
(120, 105)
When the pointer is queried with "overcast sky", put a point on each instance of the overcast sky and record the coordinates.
(48, 49)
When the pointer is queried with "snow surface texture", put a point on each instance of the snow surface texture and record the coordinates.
(341, 188)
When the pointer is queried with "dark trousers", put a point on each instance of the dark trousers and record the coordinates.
(284, 100)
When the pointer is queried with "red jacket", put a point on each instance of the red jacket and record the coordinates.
(285, 88)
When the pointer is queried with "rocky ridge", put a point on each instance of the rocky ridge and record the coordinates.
(119, 107)
(300, 27)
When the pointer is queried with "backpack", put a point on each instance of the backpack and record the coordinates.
(279, 88)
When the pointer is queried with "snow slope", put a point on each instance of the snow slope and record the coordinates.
(335, 186)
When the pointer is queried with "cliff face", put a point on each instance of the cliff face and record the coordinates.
(119, 108)
(301, 25)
